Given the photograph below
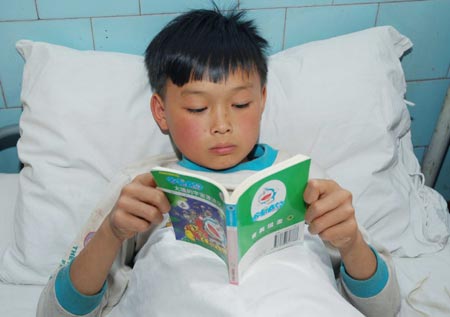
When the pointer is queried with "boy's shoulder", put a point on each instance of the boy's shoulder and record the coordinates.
(282, 156)
(145, 165)
(316, 171)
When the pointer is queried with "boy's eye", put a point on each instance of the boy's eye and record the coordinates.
(196, 110)
(242, 105)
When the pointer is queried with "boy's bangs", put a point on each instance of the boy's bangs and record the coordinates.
(205, 45)
(211, 69)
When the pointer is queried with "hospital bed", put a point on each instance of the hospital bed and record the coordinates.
(339, 100)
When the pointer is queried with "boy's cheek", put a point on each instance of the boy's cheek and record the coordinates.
(186, 132)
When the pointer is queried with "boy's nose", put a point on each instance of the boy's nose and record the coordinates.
(221, 122)
(222, 129)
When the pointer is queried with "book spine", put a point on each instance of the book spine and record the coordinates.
(232, 245)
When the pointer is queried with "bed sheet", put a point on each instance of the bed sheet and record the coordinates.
(19, 300)
(425, 284)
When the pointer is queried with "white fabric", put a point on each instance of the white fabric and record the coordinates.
(425, 284)
(171, 278)
(19, 300)
(350, 117)
(86, 115)
(9, 184)
(296, 279)
(15, 300)
(170, 268)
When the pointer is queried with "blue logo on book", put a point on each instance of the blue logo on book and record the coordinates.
(184, 183)
(269, 198)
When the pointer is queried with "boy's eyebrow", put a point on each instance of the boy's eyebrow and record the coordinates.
(243, 87)
(202, 92)
(192, 92)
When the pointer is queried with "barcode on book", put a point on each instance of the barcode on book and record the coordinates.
(285, 237)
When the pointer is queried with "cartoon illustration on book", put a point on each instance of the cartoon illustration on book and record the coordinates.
(204, 224)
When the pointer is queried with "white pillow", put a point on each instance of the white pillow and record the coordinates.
(86, 115)
(9, 184)
(341, 101)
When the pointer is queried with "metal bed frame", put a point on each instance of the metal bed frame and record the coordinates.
(9, 135)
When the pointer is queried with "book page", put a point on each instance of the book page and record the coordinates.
(197, 210)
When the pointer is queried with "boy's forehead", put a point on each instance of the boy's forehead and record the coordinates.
(237, 79)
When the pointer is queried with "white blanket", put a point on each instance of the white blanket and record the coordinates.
(294, 281)
(425, 284)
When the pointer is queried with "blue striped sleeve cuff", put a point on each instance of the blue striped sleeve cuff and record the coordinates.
(70, 299)
(373, 285)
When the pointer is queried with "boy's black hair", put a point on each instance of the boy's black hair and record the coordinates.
(205, 44)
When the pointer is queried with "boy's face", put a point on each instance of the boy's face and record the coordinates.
(215, 125)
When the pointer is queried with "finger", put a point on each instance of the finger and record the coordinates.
(155, 197)
(327, 203)
(147, 212)
(145, 179)
(140, 209)
(332, 218)
(317, 188)
(340, 234)
(312, 191)
(126, 222)
(147, 194)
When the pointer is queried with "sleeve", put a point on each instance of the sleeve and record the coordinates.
(380, 294)
(71, 299)
(377, 296)
(375, 299)
(60, 299)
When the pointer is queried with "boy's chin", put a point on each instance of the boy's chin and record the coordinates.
(219, 166)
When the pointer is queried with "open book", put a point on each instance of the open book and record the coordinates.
(264, 213)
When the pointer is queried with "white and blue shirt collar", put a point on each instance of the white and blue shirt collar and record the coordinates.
(263, 156)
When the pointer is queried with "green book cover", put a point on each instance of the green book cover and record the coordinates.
(263, 214)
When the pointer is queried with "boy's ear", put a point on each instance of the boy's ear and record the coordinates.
(157, 107)
(264, 97)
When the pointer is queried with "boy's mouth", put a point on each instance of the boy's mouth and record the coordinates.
(223, 149)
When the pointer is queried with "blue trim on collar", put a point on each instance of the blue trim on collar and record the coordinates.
(264, 156)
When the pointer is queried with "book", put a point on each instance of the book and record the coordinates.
(264, 213)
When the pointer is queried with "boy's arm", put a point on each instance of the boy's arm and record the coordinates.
(50, 306)
(90, 268)
(331, 215)
(62, 298)
(82, 283)
(380, 294)
(139, 206)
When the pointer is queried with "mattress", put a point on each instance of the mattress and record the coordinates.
(19, 300)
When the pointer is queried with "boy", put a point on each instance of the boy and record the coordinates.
(208, 73)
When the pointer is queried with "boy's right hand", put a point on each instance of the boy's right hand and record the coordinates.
(139, 205)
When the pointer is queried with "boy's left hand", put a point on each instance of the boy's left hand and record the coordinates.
(330, 213)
